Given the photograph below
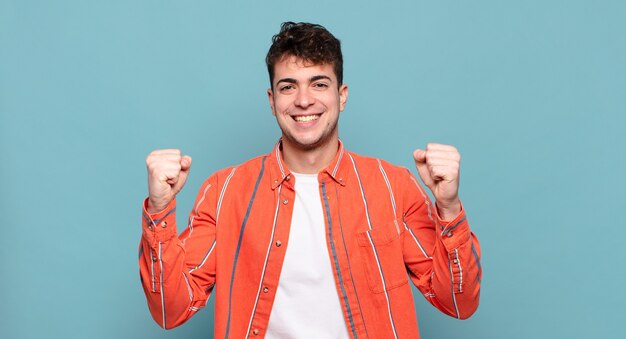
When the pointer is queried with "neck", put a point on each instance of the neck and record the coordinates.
(309, 161)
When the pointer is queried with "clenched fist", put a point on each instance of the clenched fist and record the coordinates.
(438, 166)
(167, 173)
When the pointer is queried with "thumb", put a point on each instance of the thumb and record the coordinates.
(185, 166)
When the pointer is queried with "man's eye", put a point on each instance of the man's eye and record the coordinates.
(320, 85)
(286, 87)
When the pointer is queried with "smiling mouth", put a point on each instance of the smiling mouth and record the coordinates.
(306, 118)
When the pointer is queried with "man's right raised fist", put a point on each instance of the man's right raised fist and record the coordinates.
(167, 173)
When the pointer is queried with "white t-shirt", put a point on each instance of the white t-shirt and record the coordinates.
(307, 304)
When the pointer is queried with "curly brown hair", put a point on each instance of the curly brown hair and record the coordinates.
(309, 42)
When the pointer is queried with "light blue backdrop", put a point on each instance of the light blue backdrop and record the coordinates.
(531, 92)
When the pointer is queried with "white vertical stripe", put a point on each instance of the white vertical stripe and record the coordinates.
(458, 262)
(358, 178)
(416, 241)
(338, 161)
(267, 255)
(456, 309)
(152, 270)
(393, 200)
(217, 214)
(205, 257)
(380, 271)
(426, 200)
(219, 201)
(280, 164)
(188, 287)
(195, 212)
(161, 284)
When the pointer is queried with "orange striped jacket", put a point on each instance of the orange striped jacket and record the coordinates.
(381, 231)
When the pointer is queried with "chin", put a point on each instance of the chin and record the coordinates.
(306, 145)
(302, 143)
(310, 141)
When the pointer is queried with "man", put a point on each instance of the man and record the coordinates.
(310, 240)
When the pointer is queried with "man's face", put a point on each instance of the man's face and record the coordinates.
(306, 101)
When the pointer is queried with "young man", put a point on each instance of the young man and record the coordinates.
(310, 240)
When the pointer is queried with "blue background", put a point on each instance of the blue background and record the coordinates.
(531, 92)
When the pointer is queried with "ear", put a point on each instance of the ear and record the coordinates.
(270, 97)
(343, 96)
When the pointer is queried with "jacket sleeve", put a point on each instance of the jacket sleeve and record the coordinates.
(178, 272)
(442, 257)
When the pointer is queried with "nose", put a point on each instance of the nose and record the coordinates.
(304, 99)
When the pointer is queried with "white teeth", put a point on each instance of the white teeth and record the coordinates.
(305, 118)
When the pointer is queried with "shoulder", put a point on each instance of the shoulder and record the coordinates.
(372, 165)
(250, 168)
(385, 179)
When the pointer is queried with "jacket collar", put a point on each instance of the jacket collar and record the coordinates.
(336, 170)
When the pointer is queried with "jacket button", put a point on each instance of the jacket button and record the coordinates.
(449, 234)
(150, 227)
(154, 258)
(285, 201)
(255, 331)
(164, 224)
(265, 289)
(278, 243)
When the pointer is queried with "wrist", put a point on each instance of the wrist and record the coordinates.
(155, 207)
(448, 210)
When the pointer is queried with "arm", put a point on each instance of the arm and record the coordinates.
(177, 272)
(442, 256)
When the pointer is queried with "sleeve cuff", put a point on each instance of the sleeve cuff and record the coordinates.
(453, 232)
(161, 226)
(441, 221)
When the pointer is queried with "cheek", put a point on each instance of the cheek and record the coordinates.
(280, 106)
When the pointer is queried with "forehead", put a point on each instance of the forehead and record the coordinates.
(290, 66)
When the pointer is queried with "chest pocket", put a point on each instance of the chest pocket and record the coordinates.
(381, 253)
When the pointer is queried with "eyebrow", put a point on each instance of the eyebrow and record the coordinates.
(287, 80)
(319, 77)
(311, 79)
